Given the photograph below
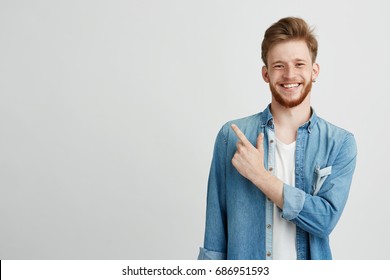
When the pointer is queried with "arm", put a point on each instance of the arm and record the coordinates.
(316, 214)
(319, 214)
(249, 161)
(215, 240)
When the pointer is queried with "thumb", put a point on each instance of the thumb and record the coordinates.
(259, 142)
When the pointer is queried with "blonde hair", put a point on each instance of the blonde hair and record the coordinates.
(289, 28)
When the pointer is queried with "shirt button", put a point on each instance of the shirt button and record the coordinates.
(268, 226)
(270, 169)
(268, 254)
(271, 141)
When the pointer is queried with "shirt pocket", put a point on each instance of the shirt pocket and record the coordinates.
(320, 175)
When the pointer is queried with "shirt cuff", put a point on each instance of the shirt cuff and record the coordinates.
(293, 200)
(205, 254)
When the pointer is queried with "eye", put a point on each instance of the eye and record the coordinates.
(300, 64)
(278, 66)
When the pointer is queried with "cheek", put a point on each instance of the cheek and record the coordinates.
(309, 73)
(273, 78)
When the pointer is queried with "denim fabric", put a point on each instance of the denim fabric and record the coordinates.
(239, 216)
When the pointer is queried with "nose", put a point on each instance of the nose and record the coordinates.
(289, 72)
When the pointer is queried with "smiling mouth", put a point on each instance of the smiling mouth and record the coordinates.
(291, 85)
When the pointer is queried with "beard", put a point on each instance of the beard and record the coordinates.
(285, 102)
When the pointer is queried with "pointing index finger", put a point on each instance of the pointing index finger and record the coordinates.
(239, 134)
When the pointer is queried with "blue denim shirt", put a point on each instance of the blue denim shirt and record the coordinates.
(239, 216)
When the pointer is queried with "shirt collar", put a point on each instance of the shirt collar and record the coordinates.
(268, 120)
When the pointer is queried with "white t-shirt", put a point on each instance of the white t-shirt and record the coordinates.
(284, 232)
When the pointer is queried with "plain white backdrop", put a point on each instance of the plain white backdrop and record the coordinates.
(109, 111)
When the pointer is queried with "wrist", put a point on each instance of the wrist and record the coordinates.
(261, 179)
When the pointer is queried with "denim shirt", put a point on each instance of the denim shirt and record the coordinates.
(239, 216)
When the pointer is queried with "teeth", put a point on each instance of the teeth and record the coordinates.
(290, 85)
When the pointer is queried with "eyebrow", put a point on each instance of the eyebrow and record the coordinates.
(277, 62)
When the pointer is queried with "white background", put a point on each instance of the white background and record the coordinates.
(109, 111)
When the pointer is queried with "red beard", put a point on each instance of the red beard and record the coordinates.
(279, 97)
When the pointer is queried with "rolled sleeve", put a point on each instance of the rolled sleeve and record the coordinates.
(294, 200)
(205, 254)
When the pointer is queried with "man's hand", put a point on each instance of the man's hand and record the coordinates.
(249, 160)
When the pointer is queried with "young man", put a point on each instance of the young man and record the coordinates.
(280, 179)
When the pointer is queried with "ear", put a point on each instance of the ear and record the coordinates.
(316, 71)
(264, 72)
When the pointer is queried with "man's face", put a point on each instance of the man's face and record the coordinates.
(290, 72)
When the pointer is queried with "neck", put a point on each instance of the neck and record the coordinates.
(288, 120)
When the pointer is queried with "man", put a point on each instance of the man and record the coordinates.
(280, 179)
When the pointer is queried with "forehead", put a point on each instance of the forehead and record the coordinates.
(289, 51)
